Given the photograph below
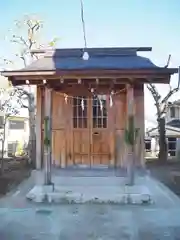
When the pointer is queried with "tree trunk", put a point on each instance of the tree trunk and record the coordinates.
(162, 140)
(32, 139)
(2, 158)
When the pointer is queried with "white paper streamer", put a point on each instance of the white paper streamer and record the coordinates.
(65, 98)
(82, 104)
(100, 102)
(111, 101)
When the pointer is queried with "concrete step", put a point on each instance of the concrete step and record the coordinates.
(73, 194)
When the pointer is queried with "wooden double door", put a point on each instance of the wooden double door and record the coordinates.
(91, 133)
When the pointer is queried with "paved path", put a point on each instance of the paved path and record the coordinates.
(21, 219)
(89, 222)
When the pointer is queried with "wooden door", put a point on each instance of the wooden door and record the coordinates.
(91, 136)
(99, 131)
(80, 129)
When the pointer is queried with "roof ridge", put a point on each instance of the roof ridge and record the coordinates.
(106, 50)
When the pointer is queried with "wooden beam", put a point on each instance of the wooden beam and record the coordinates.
(102, 80)
(86, 90)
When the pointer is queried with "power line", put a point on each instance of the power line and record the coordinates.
(83, 24)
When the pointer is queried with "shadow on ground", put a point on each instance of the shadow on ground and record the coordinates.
(15, 171)
(167, 173)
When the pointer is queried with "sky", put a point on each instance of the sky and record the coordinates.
(128, 23)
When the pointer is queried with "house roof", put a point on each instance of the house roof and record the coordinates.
(99, 59)
(176, 102)
(170, 132)
(174, 123)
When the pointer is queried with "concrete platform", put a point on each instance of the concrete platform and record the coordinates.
(92, 190)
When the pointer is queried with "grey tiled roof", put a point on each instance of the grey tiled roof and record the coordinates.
(99, 58)
(174, 123)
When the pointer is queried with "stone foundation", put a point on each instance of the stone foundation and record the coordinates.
(92, 194)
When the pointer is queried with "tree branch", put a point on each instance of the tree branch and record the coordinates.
(170, 93)
(161, 104)
(19, 40)
(152, 88)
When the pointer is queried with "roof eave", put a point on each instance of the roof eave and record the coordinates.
(124, 71)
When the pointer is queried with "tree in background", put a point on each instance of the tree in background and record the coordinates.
(161, 104)
(25, 37)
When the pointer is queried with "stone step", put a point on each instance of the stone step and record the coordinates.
(121, 195)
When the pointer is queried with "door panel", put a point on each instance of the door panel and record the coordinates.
(91, 136)
(80, 136)
(100, 151)
(81, 146)
(99, 133)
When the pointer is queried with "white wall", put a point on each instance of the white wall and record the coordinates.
(16, 135)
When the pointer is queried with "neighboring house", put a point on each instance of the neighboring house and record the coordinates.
(173, 112)
(172, 135)
(172, 127)
(86, 102)
(16, 132)
(17, 127)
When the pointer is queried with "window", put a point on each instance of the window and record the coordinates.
(16, 125)
(80, 112)
(99, 112)
(172, 112)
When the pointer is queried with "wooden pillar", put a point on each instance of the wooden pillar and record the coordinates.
(139, 121)
(111, 127)
(120, 120)
(130, 148)
(130, 103)
(130, 100)
(39, 129)
(48, 144)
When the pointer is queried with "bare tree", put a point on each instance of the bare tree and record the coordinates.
(28, 41)
(161, 104)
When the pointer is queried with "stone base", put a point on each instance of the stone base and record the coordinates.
(78, 194)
